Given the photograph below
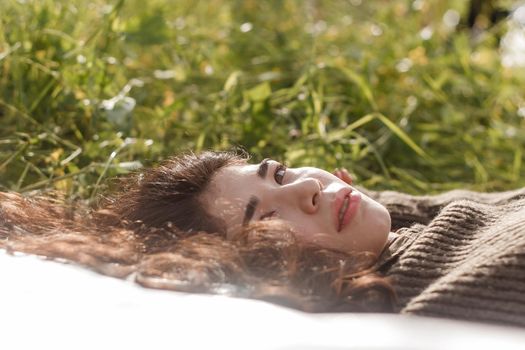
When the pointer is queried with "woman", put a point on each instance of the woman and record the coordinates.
(303, 237)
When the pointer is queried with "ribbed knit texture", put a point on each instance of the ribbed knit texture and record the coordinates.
(458, 255)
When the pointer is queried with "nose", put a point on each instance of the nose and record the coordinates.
(302, 193)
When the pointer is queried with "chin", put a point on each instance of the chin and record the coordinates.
(383, 229)
(378, 223)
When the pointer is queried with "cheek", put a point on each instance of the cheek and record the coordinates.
(378, 224)
(307, 229)
(378, 214)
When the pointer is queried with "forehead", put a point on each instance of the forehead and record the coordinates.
(223, 182)
(229, 192)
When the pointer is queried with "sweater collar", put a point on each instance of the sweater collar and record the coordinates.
(396, 246)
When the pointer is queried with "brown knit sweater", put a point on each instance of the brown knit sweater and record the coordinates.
(458, 255)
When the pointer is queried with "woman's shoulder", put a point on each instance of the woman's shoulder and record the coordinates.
(407, 209)
(441, 199)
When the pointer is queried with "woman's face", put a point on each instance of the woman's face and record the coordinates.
(320, 207)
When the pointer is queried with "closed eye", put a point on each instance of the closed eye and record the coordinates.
(268, 215)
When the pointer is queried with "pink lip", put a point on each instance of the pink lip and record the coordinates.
(353, 205)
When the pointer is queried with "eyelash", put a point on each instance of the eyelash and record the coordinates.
(268, 215)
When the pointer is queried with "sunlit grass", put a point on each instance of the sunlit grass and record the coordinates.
(388, 89)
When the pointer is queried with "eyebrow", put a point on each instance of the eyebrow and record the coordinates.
(262, 170)
(250, 210)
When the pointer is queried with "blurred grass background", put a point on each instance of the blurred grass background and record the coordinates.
(404, 94)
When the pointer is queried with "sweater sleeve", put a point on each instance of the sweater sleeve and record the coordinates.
(406, 210)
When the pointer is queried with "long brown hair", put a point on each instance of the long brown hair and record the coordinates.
(156, 228)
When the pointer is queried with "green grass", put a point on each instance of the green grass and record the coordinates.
(93, 89)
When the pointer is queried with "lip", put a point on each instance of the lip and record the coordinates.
(351, 210)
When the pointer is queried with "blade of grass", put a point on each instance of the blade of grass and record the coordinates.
(375, 152)
(22, 177)
(479, 170)
(13, 156)
(516, 165)
(71, 156)
(388, 123)
(337, 135)
(361, 84)
(9, 51)
(402, 135)
(41, 95)
(39, 125)
(410, 179)
(51, 180)
(103, 173)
